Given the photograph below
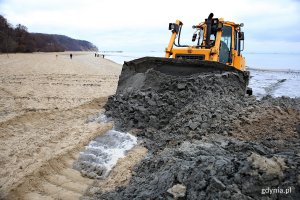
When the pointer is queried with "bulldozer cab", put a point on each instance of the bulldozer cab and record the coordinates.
(216, 40)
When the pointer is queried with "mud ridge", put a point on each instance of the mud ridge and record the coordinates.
(206, 139)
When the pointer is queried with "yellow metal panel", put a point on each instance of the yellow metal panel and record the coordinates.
(194, 51)
(215, 56)
(238, 61)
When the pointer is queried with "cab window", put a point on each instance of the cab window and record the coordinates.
(225, 46)
(226, 36)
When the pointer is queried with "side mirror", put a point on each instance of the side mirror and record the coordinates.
(241, 36)
(241, 41)
(173, 27)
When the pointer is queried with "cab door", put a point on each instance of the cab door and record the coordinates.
(237, 58)
(225, 45)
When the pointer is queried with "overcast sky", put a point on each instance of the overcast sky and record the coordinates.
(270, 25)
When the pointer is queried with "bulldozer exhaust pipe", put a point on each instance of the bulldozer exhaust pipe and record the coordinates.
(208, 30)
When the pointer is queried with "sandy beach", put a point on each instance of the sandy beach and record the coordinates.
(45, 101)
(42, 81)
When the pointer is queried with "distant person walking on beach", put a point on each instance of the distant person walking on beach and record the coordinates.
(103, 56)
(95, 55)
(71, 56)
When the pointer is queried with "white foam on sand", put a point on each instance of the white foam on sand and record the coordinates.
(98, 118)
(114, 145)
(103, 153)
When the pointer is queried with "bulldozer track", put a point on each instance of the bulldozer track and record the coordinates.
(57, 181)
(41, 165)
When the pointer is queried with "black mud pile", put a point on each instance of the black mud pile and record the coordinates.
(152, 98)
(206, 140)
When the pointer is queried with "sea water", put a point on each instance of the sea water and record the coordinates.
(275, 83)
(282, 61)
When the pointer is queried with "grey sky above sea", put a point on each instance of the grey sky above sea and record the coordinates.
(271, 26)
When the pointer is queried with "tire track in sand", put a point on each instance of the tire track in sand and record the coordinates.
(55, 180)
(33, 142)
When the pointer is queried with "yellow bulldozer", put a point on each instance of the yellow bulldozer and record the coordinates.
(216, 40)
(217, 49)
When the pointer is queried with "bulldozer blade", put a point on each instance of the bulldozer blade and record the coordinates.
(175, 67)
